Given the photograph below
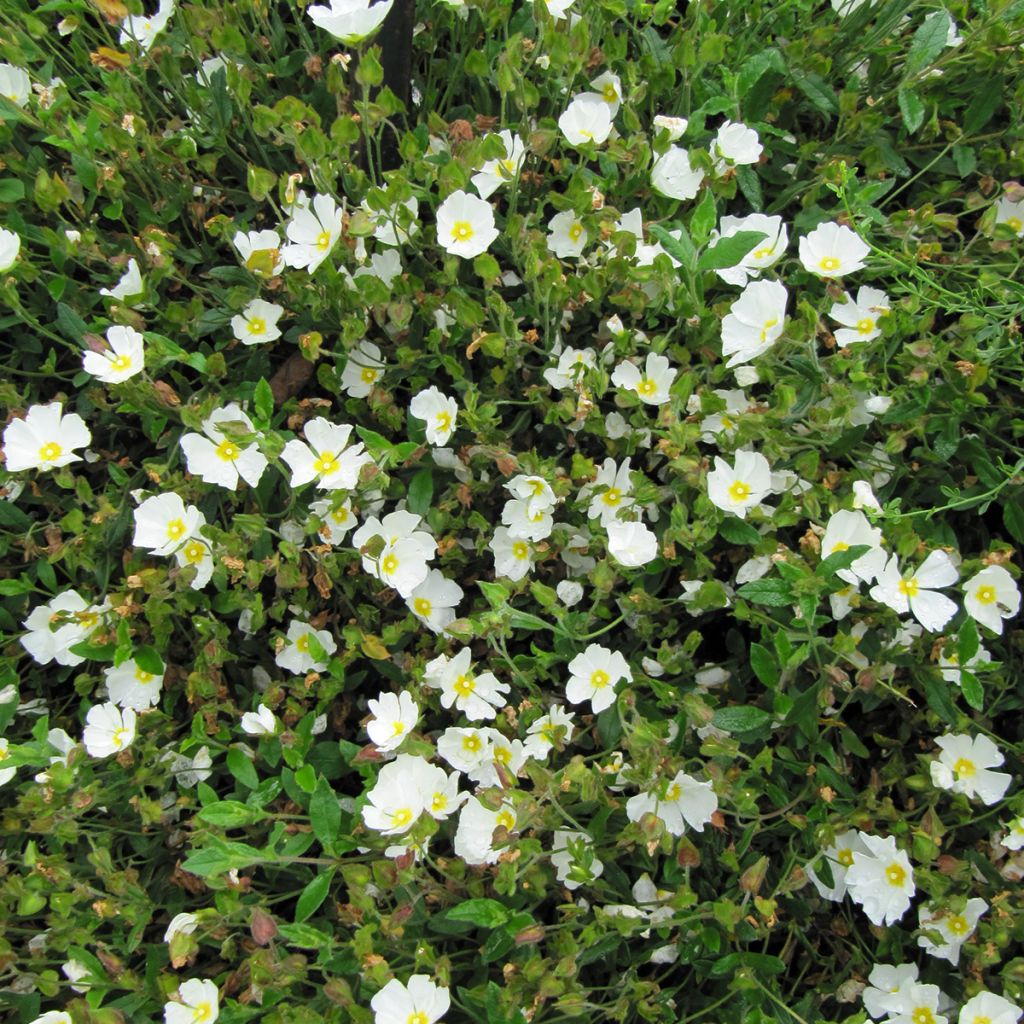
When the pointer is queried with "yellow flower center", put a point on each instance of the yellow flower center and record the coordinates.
(422, 606)
(390, 564)
(922, 1015)
(444, 421)
(840, 545)
(439, 802)
(503, 754)
(612, 496)
(768, 325)
(464, 686)
(982, 1020)
(257, 325)
(609, 94)
(323, 241)
(195, 553)
(471, 743)
(326, 463)
(537, 488)
(121, 363)
(50, 452)
(506, 819)
(829, 263)
(674, 792)
(909, 588)
(586, 134)
(1014, 222)
(228, 451)
(401, 817)
(175, 529)
(845, 857)
(462, 231)
(964, 768)
(143, 676)
(340, 515)
(985, 595)
(599, 679)
(895, 875)
(302, 643)
(118, 739)
(763, 254)
(865, 326)
(957, 924)
(739, 491)
(575, 231)
(367, 375)
(201, 1012)
(646, 386)
(520, 550)
(398, 728)
(508, 167)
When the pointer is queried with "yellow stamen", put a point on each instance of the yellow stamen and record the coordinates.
(895, 875)
(228, 451)
(599, 679)
(909, 588)
(829, 263)
(739, 491)
(985, 595)
(326, 463)
(50, 452)
(462, 231)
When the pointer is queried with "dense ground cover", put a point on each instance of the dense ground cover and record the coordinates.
(535, 540)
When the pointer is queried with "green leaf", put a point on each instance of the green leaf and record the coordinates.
(12, 588)
(817, 90)
(972, 690)
(325, 812)
(928, 42)
(703, 218)
(741, 718)
(738, 531)
(911, 108)
(230, 814)
(989, 96)
(312, 896)
(304, 936)
(263, 402)
(936, 692)
(242, 768)
(968, 641)
(98, 652)
(222, 856)
(763, 664)
(149, 661)
(483, 912)
(1013, 519)
(11, 190)
(841, 560)
(421, 492)
(773, 593)
(680, 248)
(496, 594)
(12, 516)
(727, 252)
(69, 323)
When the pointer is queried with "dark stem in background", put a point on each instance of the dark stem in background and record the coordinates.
(395, 41)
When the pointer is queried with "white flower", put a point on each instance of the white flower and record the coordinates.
(864, 497)
(260, 250)
(674, 176)
(881, 880)
(466, 749)
(181, 924)
(594, 675)
(631, 544)
(199, 1003)
(465, 225)
(395, 224)
(563, 860)
(569, 592)
(955, 929)
(500, 171)
(144, 28)
(296, 656)
(681, 802)
(917, 592)
(130, 686)
(197, 553)
(438, 410)
(189, 771)
(336, 521)
(260, 722)
(129, 286)
(860, 317)
(312, 233)
(45, 439)
(525, 523)
(963, 767)
(395, 715)
(572, 365)
(477, 696)
(734, 144)
(1014, 838)
(951, 667)
(385, 266)
(324, 457)
(218, 458)
(608, 86)
(433, 601)
(557, 9)
(418, 1002)
(832, 250)
(544, 733)
(652, 385)
(10, 246)
(916, 1004)
(108, 730)
(885, 982)
(587, 119)
(363, 369)
(15, 85)
(988, 1008)
(396, 800)
(6, 774)
(840, 857)
(567, 237)
(402, 560)
(611, 491)
(845, 530)
(56, 627)
(1011, 214)
(765, 254)
(257, 323)
(675, 126)
(350, 21)
(474, 837)
(513, 558)
(123, 358)
(991, 596)
(755, 321)
(741, 487)
(163, 523)
(535, 490)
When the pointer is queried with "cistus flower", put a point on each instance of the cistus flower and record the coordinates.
(954, 927)
(439, 411)
(257, 323)
(608, 86)
(163, 523)
(860, 316)
(988, 1008)
(501, 170)
(675, 126)
(652, 384)
(587, 119)
(350, 21)
(832, 250)
(465, 225)
(45, 439)
(610, 490)
(734, 144)
(397, 798)
(1011, 214)
(963, 767)
(550, 730)
(567, 237)
(56, 627)
(10, 246)
(404, 550)
(144, 28)
(326, 456)
(840, 857)
(474, 836)
(297, 656)
(885, 982)
(918, 591)
(220, 458)
(674, 176)
(123, 357)
(260, 722)
(15, 85)
(419, 1001)
(199, 1003)
(991, 596)
(477, 695)
(394, 717)
(755, 321)
(631, 544)
(312, 232)
(130, 285)
(881, 879)
(740, 487)
(363, 368)
(131, 686)
(765, 254)
(260, 251)
(108, 730)
(563, 860)
(513, 558)
(679, 802)
(571, 367)
(594, 675)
